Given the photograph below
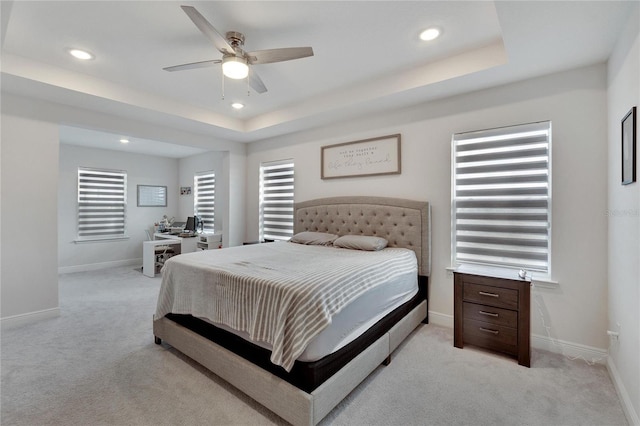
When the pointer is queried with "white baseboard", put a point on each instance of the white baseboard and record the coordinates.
(570, 349)
(29, 317)
(625, 401)
(97, 266)
(443, 320)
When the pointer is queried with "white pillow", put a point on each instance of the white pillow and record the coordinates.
(361, 242)
(314, 238)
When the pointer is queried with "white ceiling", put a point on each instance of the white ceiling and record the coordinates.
(368, 58)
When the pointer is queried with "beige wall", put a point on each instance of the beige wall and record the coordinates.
(575, 102)
(141, 170)
(29, 177)
(624, 223)
(29, 276)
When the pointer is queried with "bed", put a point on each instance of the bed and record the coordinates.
(304, 385)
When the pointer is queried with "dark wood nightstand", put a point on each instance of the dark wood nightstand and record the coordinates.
(493, 312)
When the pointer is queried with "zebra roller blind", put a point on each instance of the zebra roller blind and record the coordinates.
(502, 197)
(276, 200)
(102, 201)
(205, 199)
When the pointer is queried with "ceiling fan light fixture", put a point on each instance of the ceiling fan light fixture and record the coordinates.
(234, 67)
(237, 105)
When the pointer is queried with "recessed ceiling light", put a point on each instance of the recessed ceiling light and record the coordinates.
(124, 140)
(430, 34)
(237, 105)
(80, 54)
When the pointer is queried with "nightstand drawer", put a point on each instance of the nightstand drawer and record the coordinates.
(490, 314)
(493, 296)
(491, 336)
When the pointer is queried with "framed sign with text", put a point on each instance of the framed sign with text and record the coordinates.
(367, 157)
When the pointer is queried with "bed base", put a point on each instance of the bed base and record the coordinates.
(304, 375)
(292, 404)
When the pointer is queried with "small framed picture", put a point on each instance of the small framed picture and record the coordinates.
(629, 147)
(152, 196)
(185, 190)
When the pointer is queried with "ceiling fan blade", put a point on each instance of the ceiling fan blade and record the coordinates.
(208, 30)
(193, 65)
(278, 55)
(256, 82)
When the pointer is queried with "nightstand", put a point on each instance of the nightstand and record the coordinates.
(493, 312)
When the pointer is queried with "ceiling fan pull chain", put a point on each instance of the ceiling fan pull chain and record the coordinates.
(222, 85)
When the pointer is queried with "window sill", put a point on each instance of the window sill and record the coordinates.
(102, 240)
(545, 282)
(542, 281)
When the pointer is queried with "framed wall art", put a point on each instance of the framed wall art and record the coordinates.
(367, 157)
(629, 147)
(152, 196)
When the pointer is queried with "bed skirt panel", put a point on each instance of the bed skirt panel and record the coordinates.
(403, 328)
(336, 388)
(284, 399)
(292, 404)
(304, 375)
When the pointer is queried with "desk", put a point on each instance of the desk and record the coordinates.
(149, 254)
(187, 244)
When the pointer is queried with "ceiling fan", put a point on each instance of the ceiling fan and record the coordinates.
(235, 61)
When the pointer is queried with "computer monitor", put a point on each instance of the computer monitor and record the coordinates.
(191, 224)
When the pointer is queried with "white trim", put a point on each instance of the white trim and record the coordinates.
(29, 317)
(562, 347)
(101, 240)
(444, 320)
(569, 349)
(625, 401)
(97, 266)
(544, 282)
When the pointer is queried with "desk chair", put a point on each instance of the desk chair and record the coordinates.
(162, 253)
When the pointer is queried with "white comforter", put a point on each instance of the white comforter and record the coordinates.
(283, 294)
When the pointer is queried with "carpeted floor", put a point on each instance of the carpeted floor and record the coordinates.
(97, 364)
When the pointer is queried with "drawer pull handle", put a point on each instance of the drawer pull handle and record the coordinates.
(486, 330)
(484, 293)
(489, 314)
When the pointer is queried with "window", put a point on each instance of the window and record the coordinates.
(502, 197)
(102, 201)
(276, 200)
(204, 199)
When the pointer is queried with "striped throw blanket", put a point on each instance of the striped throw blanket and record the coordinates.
(283, 294)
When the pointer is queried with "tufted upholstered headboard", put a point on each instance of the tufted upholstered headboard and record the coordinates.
(403, 223)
